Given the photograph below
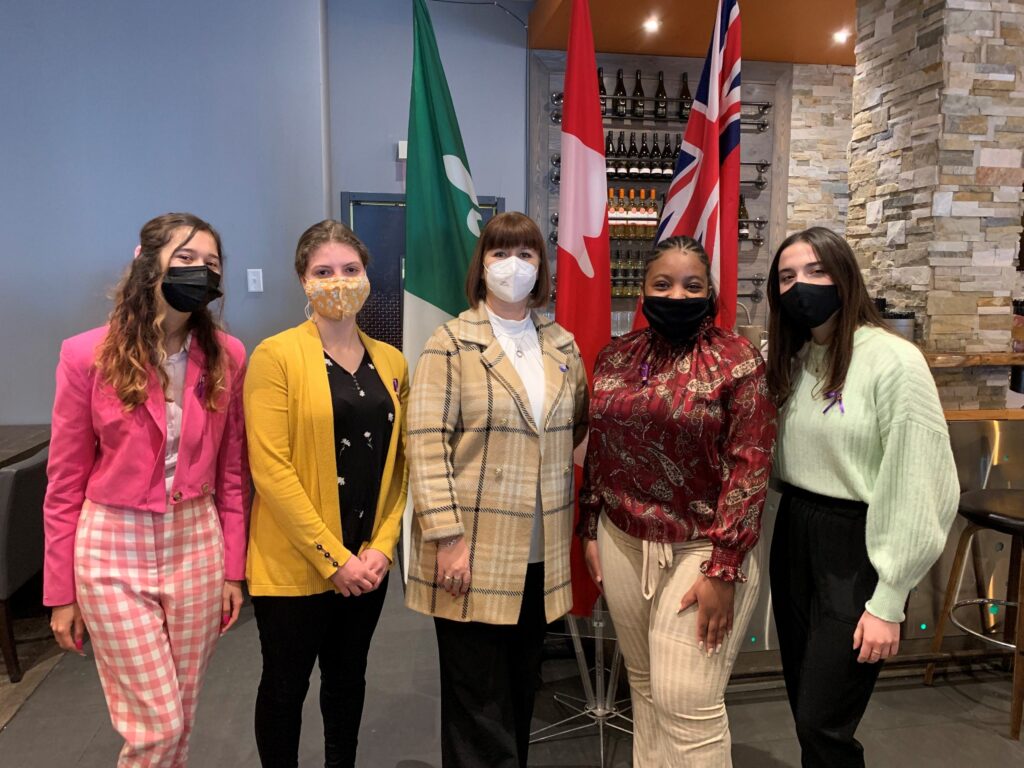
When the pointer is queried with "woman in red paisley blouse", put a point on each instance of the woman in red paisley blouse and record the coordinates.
(681, 437)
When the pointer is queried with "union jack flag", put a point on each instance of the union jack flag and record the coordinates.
(703, 198)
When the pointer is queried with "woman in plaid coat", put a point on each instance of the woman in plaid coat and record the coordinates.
(498, 403)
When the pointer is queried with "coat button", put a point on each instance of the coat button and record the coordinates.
(206, 487)
(320, 547)
(176, 497)
(498, 471)
(568, 469)
(504, 422)
(327, 555)
(334, 563)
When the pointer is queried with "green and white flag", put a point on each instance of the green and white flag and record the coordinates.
(442, 214)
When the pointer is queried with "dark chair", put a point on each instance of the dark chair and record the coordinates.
(22, 488)
(1000, 510)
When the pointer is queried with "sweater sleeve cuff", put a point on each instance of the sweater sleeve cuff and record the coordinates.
(724, 564)
(887, 602)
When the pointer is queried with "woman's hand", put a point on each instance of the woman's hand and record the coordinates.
(714, 599)
(593, 560)
(453, 566)
(876, 638)
(377, 563)
(231, 604)
(68, 627)
(354, 578)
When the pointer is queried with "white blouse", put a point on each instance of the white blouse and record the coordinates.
(519, 340)
(174, 367)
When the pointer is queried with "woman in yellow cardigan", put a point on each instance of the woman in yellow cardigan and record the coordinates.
(324, 407)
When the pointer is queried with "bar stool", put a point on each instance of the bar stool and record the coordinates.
(1000, 510)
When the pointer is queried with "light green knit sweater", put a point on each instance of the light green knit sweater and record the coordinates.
(888, 447)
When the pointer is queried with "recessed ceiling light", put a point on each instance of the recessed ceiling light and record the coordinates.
(841, 36)
(653, 24)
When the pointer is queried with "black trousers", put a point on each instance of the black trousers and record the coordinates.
(295, 632)
(821, 577)
(489, 676)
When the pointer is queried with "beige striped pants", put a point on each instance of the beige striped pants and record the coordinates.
(678, 693)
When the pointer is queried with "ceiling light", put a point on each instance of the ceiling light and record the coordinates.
(652, 25)
(841, 36)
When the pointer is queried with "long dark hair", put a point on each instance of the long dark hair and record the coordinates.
(786, 338)
(135, 340)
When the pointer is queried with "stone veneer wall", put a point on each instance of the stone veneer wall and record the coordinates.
(935, 173)
(820, 127)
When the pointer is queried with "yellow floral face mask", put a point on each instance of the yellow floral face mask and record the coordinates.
(336, 297)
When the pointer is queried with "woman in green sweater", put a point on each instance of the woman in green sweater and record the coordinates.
(869, 487)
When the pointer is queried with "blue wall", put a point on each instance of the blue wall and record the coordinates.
(484, 55)
(116, 111)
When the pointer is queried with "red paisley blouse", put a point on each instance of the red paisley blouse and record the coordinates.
(681, 441)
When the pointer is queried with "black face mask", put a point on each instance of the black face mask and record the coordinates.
(675, 319)
(810, 305)
(187, 289)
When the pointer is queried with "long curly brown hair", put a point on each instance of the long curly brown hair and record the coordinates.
(134, 344)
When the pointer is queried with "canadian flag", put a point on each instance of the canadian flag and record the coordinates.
(583, 303)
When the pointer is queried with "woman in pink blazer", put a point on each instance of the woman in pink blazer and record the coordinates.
(147, 503)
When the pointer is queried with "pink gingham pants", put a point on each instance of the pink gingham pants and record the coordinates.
(150, 588)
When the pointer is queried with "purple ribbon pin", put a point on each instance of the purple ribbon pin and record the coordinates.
(394, 384)
(835, 397)
(645, 370)
(201, 387)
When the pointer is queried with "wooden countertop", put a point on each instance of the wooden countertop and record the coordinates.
(960, 360)
(1002, 414)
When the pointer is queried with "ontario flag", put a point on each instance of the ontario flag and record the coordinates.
(583, 298)
(703, 198)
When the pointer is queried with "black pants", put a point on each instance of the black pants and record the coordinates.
(295, 632)
(489, 676)
(821, 577)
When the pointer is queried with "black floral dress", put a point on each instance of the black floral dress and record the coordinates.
(364, 416)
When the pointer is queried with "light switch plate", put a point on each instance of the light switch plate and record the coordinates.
(254, 279)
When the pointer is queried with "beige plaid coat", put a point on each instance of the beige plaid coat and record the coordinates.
(476, 460)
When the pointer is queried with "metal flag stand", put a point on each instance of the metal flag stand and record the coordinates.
(598, 708)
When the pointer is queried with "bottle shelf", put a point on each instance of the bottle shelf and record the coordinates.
(607, 121)
(558, 98)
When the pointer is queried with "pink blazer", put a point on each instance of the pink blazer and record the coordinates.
(101, 452)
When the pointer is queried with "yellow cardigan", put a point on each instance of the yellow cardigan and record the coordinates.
(295, 531)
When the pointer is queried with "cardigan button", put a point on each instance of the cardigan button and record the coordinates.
(206, 487)
(334, 563)
(327, 555)
(176, 497)
(320, 547)
(568, 469)
(498, 471)
(504, 422)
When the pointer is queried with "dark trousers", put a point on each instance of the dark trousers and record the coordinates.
(489, 676)
(821, 577)
(295, 632)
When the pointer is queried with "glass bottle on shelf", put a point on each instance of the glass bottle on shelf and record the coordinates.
(655, 158)
(601, 90)
(620, 212)
(744, 229)
(679, 148)
(661, 99)
(685, 99)
(654, 213)
(610, 213)
(638, 98)
(609, 155)
(668, 160)
(621, 167)
(645, 156)
(632, 213)
(633, 157)
(619, 97)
